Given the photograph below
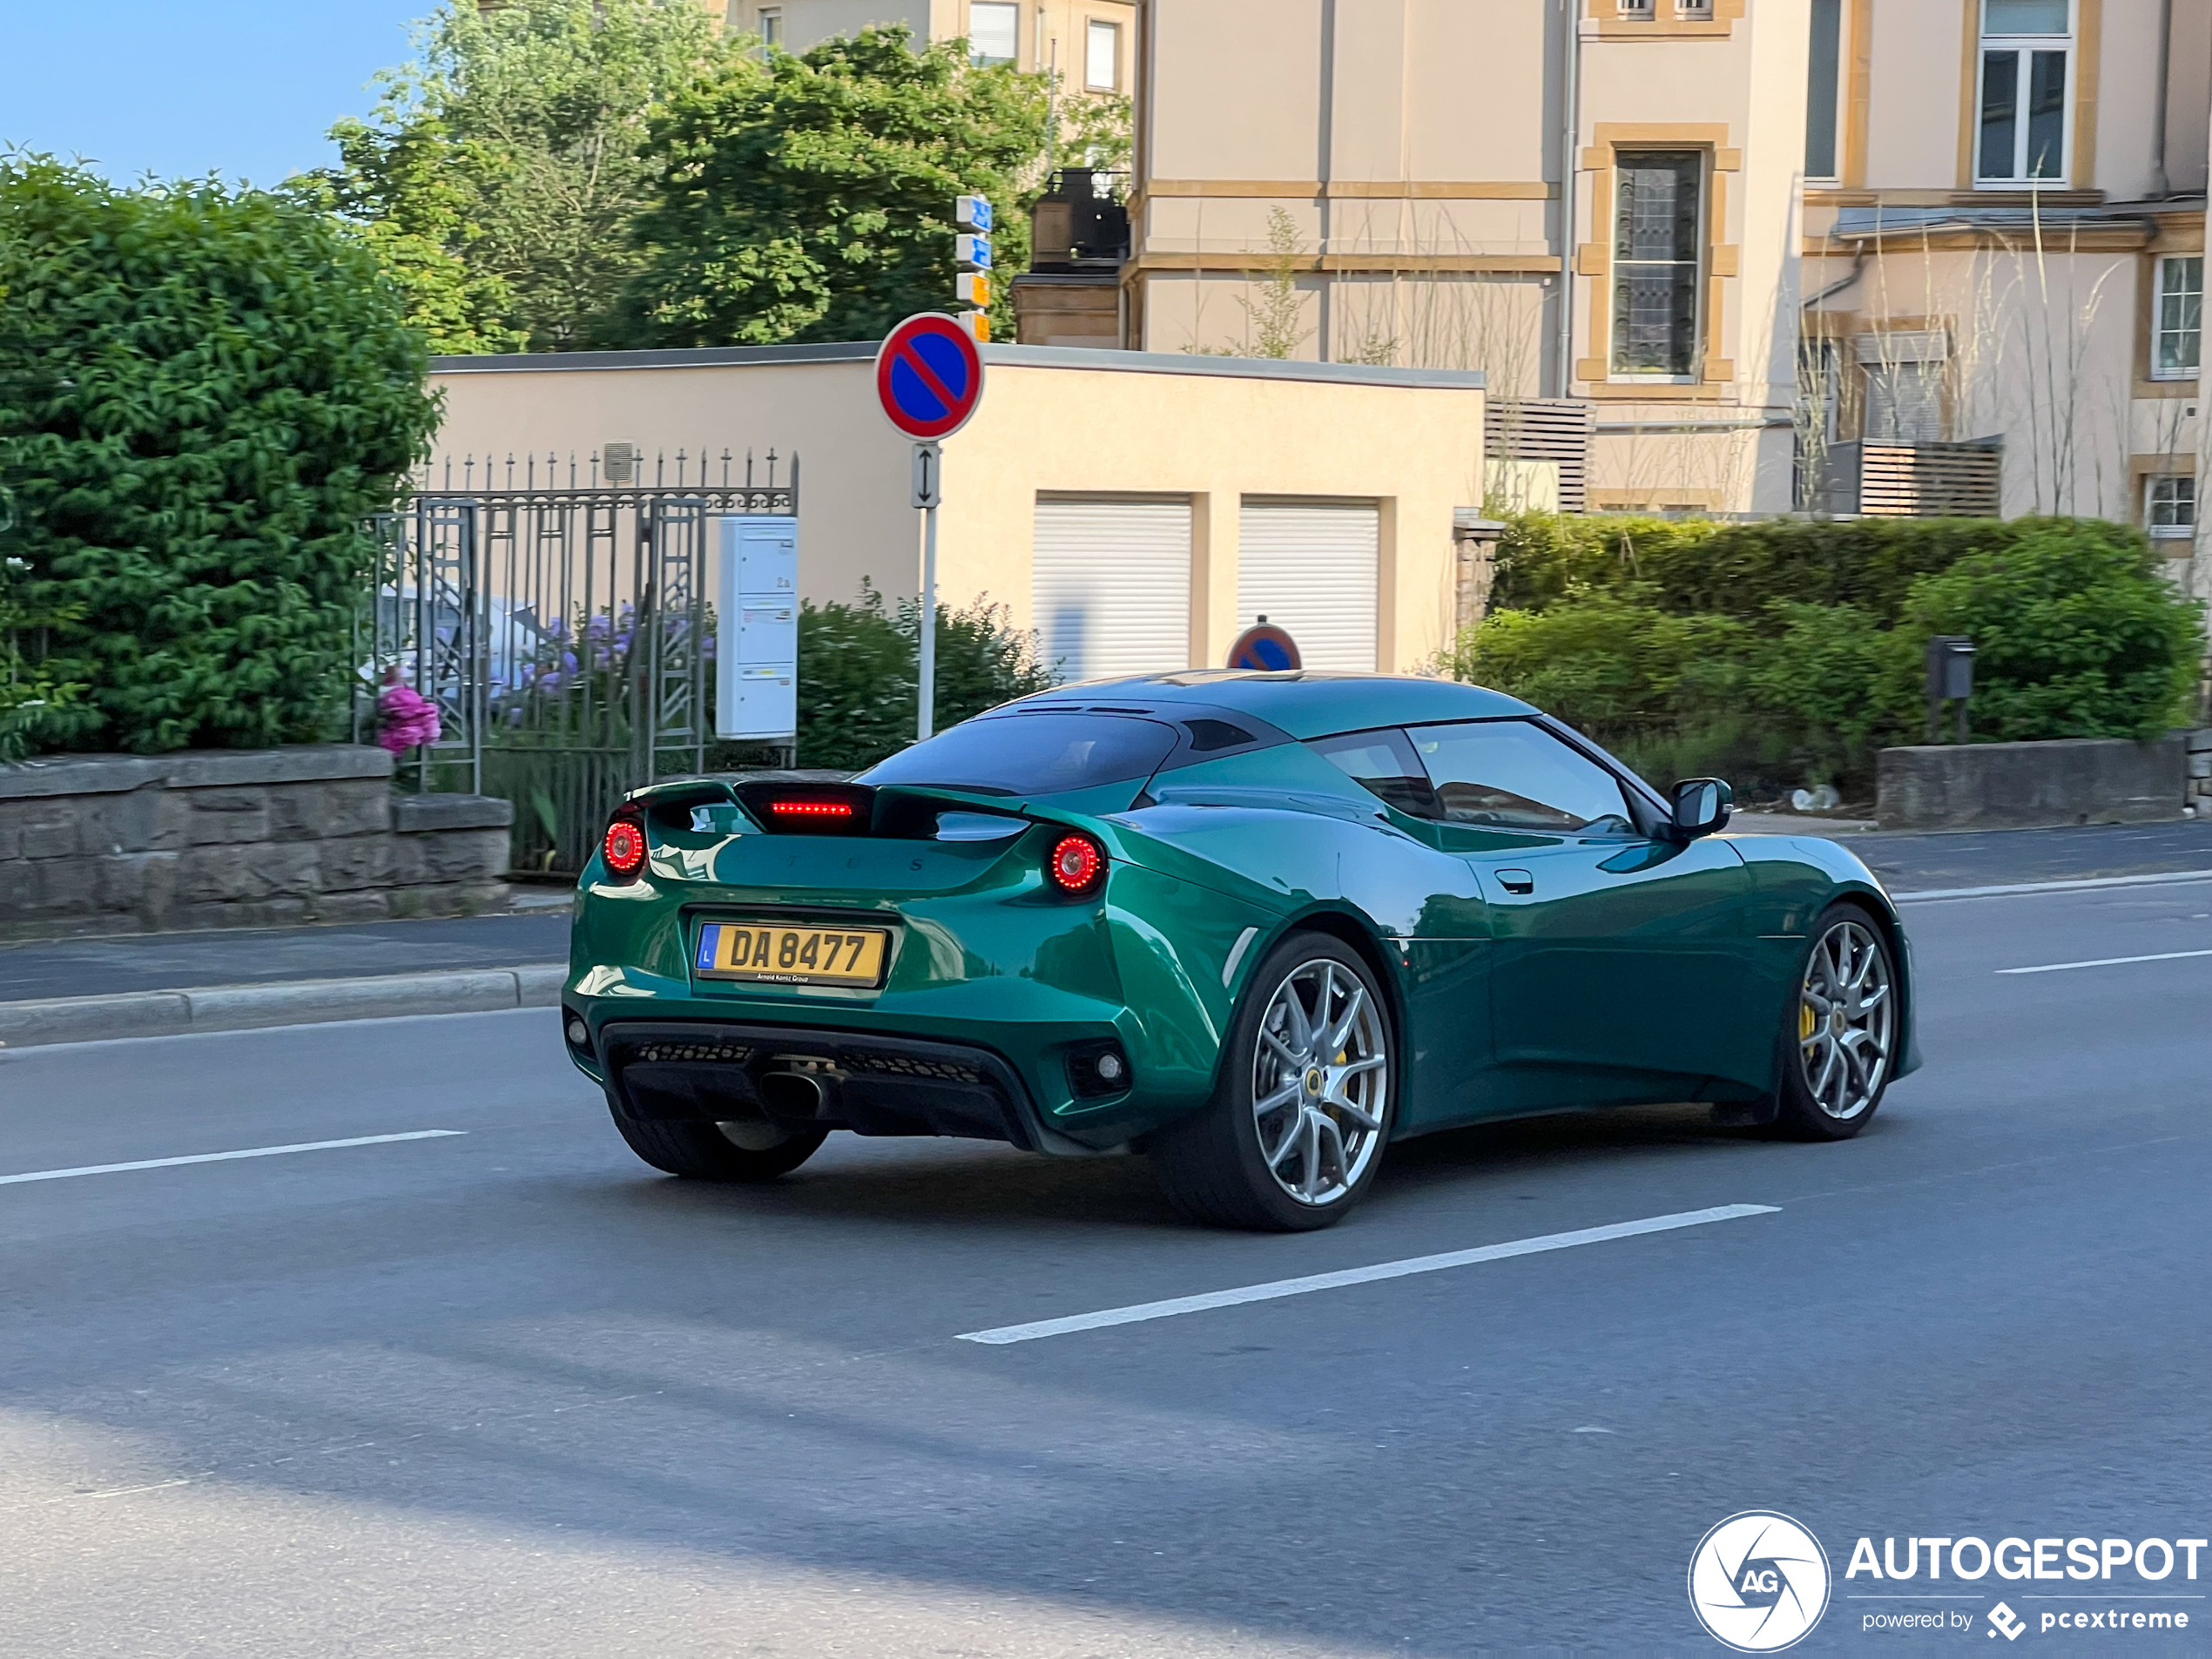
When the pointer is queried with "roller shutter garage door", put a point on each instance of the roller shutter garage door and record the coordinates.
(1110, 587)
(1312, 568)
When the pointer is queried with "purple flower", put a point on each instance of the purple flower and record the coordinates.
(405, 719)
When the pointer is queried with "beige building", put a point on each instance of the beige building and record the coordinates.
(1137, 510)
(1889, 254)
(1089, 42)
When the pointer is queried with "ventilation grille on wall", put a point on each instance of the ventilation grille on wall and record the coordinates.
(1545, 428)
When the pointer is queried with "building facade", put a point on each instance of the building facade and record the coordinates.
(1090, 43)
(1889, 255)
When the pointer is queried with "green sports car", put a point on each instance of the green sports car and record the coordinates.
(1257, 926)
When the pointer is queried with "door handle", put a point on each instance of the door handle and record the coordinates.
(1516, 882)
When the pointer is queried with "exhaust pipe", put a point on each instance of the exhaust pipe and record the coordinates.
(793, 1094)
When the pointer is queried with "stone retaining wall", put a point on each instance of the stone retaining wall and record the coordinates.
(2037, 785)
(2201, 772)
(108, 843)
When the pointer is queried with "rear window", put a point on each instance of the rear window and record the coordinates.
(1033, 754)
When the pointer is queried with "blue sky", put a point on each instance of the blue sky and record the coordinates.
(245, 88)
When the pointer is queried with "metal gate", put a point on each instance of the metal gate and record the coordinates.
(566, 637)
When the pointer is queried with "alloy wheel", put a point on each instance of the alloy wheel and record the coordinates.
(1846, 1021)
(1320, 1077)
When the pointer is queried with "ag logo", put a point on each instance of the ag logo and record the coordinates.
(1758, 1581)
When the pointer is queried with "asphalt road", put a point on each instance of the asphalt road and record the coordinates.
(508, 1392)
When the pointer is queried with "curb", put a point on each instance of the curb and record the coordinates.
(253, 1008)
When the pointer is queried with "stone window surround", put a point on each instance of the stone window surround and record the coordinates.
(2177, 234)
(2084, 51)
(1593, 259)
(2141, 470)
(1666, 20)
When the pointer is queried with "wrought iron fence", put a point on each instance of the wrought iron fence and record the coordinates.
(562, 626)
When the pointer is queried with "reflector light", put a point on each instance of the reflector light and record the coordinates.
(811, 808)
(625, 847)
(1077, 863)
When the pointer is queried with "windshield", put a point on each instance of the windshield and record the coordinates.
(1032, 754)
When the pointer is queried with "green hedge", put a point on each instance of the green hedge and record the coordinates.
(1789, 652)
(858, 673)
(202, 393)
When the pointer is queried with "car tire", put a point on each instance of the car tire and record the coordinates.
(1302, 1162)
(1839, 1044)
(706, 1152)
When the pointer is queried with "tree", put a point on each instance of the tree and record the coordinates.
(501, 172)
(202, 393)
(811, 197)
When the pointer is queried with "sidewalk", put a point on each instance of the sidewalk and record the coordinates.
(1996, 858)
(86, 989)
(184, 962)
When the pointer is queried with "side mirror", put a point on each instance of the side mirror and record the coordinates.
(1701, 806)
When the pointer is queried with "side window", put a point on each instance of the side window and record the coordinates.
(1384, 763)
(1509, 774)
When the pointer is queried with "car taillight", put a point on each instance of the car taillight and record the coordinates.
(811, 808)
(624, 849)
(1077, 864)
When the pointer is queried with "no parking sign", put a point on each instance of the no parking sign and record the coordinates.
(930, 378)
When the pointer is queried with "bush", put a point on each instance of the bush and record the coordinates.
(1547, 558)
(2077, 634)
(857, 670)
(1790, 652)
(1690, 566)
(27, 695)
(1608, 666)
(201, 395)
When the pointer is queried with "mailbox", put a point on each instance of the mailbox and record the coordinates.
(756, 659)
(1951, 680)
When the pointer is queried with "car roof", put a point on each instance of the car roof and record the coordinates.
(1306, 702)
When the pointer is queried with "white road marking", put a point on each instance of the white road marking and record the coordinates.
(2084, 884)
(2109, 961)
(1281, 1287)
(225, 1157)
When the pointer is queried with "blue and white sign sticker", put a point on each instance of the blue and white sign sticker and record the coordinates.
(929, 377)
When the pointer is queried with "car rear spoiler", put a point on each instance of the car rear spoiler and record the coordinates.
(892, 811)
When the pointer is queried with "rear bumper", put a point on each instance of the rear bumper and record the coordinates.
(871, 1082)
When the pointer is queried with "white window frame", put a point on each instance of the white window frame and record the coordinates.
(1013, 7)
(2184, 498)
(1093, 28)
(1652, 377)
(2023, 48)
(2158, 330)
(1638, 10)
(768, 23)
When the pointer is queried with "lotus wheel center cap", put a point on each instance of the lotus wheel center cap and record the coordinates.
(1314, 1081)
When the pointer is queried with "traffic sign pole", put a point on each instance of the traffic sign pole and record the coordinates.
(929, 459)
(927, 724)
(930, 378)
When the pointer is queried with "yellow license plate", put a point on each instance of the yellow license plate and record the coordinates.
(778, 954)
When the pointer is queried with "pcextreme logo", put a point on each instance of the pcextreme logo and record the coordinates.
(1758, 1581)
